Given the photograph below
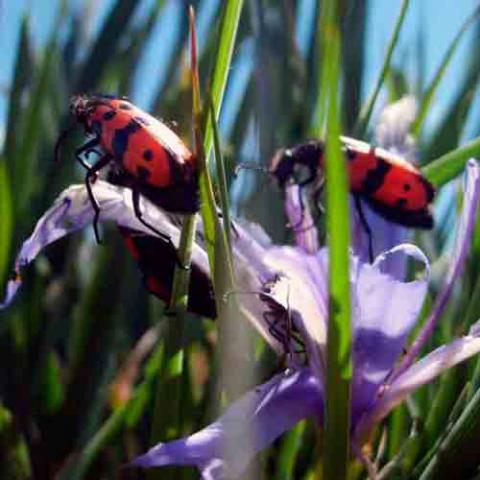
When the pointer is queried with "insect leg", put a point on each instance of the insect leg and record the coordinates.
(317, 195)
(86, 148)
(89, 178)
(275, 330)
(163, 236)
(365, 225)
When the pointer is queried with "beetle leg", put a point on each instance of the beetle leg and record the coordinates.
(365, 225)
(163, 236)
(89, 179)
(85, 149)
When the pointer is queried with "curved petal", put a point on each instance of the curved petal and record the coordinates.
(302, 290)
(72, 211)
(422, 372)
(385, 311)
(461, 249)
(386, 235)
(224, 448)
(250, 244)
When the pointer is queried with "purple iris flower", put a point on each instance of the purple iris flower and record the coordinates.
(289, 309)
(385, 310)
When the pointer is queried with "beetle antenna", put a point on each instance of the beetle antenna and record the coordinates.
(60, 141)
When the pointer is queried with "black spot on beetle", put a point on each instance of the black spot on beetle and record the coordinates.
(351, 154)
(407, 187)
(120, 139)
(148, 155)
(109, 115)
(375, 177)
(143, 174)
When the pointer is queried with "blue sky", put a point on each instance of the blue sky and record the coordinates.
(439, 26)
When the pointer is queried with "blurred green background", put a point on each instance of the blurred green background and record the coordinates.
(69, 407)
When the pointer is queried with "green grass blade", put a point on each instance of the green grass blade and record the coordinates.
(92, 341)
(290, 448)
(222, 184)
(226, 42)
(105, 45)
(127, 415)
(6, 225)
(448, 133)
(167, 412)
(431, 90)
(339, 362)
(31, 133)
(232, 328)
(367, 109)
(21, 80)
(353, 59)
(16, 462)
(208, 208)
(448, 166)
(131, 57)
(457, 456)
(168, 401)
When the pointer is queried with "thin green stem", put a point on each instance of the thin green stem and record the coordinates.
(339, 362)
(431, 90)
(367, 109)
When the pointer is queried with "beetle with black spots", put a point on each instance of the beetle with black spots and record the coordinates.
(388, 183)
(144, 153)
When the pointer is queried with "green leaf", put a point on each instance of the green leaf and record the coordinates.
(448, 166)
(226, 42)
(6, 225)
(458, 454)
(289, 450)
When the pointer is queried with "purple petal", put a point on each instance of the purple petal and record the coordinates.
(224, 448)
(386, 235)
(12, 288)
(422, 372)
(303, 291)
(461, 249)
(384, 312)
(250, 244)
(72, 211)
(300, 219)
